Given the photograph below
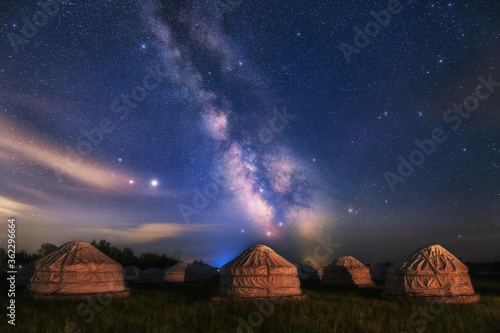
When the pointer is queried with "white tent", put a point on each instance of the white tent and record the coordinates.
(182, 272)
(347, 271)
(431, 273)
(150, 276)
(377, 272)
(76, 270)
(260, 273)
(198, 272)
(176, 273)
(131, 273)
(308, 270)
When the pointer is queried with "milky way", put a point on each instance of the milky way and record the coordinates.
(269, 185)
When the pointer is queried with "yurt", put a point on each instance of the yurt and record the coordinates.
(150, 276)
(182, 272)
(24, 274)
(76, 270)
(201, 272)
(431, 273)
(347, 271)
(260, 273)
(176, 273)
(377, 272)
(131, 273)
(308, 270)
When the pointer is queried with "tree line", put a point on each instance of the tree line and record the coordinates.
(125, 256)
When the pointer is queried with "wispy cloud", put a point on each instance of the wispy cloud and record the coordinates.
(150, 232)
(12, 208)
(20, 146)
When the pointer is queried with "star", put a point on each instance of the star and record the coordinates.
(420, 114)
(464, 149)
(298, 34)
(143, 46)
(119, 160)
(440, 61)
(268, 233)
(154, 183)
(314, 159)
(131, 181)
(350, 210)
(242, 231)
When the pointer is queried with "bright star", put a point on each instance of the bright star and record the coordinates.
(242, 231)
(154, 183)
(143, 46)
(131, 181)
(119, 160)
(268, 233)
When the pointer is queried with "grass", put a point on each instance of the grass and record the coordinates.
(190, 308)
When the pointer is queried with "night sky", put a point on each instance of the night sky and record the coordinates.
(209, 126)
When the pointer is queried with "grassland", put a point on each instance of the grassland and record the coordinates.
(190, 308)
